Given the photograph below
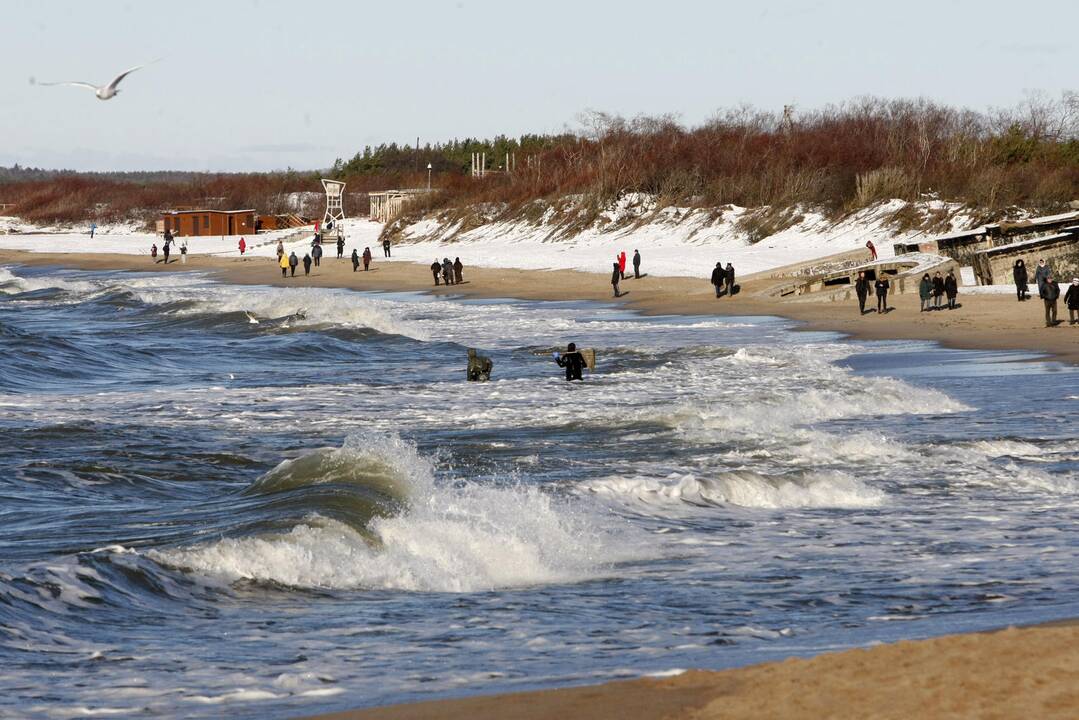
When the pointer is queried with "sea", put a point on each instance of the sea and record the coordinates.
(262, 502)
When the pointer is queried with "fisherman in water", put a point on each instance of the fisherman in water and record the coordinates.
(572, 360)
(479, 367)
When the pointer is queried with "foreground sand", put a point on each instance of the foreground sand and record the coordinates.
(991, 322)
(1014, 673)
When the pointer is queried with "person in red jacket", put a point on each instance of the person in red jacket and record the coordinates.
(622, 264)
(872, 248)
(243, 246)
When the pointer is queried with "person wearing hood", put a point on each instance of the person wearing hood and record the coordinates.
(293, 261)
(730, 279)
(1050, 293)
(1019, 275)
(436, 270)
(316, 254)
(458, 271)
(340, 248)
(153, 252)
(355, 260)
(306, 264)
(366, 258)
(447, 271)
(951, 289)
(1040, 276)
(622, 264)
(282, 260)
(925, 292)
(616, 275)
(242, 245)
(719, 278)
(1071, 301)
(637, 264)
(572, 360)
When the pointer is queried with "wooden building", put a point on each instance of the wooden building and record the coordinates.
(190, 223)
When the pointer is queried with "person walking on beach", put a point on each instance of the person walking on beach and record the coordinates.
(730, 279)
(293, 261)
(306, 264)
(951, 289)
(1071, 301)
(316, 254)
(872, 249)
(366, 258)
(386, 247)
(1019, 274)
(243, 246)
(622, 264)
(636, 264)
(340, 248)
(458, 271)
(1040, 276)
(447, 271)
(938, 290)
(93, 229)
(166, 249)
(861, 289)
(719, 278)
(572, 360)
(183, 252)
(355, 260)
(882, 285)
(616, 275)
(280, 250)
(282, 260)
(436, 270)
(153, 252)
(925, 292)
(1050, 293)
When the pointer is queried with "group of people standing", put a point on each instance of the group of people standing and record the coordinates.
(166, 249)
(450, 273)
(290, 262)
(723, 279)
(618, 272)
(1048, 291)
(933, 290)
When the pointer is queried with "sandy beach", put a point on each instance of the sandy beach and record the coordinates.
(984, 322)
(1013, 673)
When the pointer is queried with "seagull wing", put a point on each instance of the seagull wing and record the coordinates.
(72, 82)
(116, 80)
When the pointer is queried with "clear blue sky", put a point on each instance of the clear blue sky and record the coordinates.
(264, 84)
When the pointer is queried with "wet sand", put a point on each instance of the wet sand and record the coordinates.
(984, 322)
(1015, 673)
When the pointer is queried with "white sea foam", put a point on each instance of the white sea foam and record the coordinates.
(12, 284)
(451, 538)
(744, 489)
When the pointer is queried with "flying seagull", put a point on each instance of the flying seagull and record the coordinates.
(103, 92)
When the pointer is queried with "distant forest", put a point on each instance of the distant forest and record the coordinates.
(837, 159)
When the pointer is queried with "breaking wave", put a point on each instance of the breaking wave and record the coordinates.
(425, 535)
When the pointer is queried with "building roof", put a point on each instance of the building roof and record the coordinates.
(223, 212)
(1033, 242)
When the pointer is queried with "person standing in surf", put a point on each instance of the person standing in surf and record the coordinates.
(572, 360)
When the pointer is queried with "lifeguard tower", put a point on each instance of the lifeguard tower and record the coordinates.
(334, 219)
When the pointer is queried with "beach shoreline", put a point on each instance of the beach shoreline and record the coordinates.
(983, 322)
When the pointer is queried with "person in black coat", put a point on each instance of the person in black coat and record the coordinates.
(1050, 293)
(1019, 274)
(447, 271)
(719, 278)
(340, 248)
(436, 270)
(306, 264)
(951, 289)
(861, 289)
(355, 260)
(1071, 301)
(458, 270)
(730, 279)
(882, 286)
(615, 277)
(572, 360)
(637, 264)
(386, 247)
(316, 254)
(938, 290)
